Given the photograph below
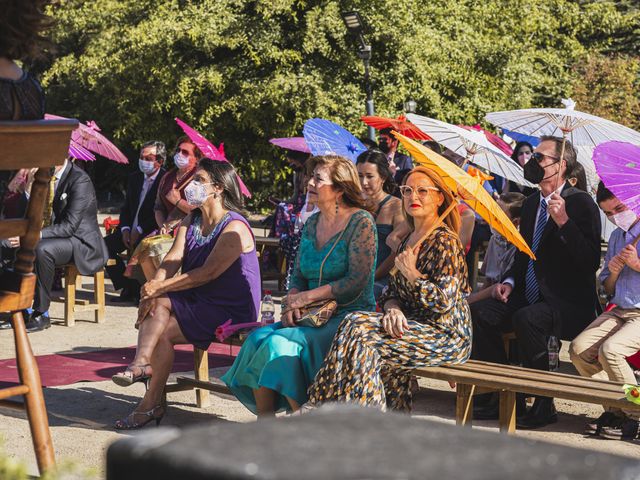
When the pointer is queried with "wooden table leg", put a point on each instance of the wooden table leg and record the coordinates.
(70, 277)
(201, 372)
(34, 399)
(464, 404)
(507, 418)
(99, 296)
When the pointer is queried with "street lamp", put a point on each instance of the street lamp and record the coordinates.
(410, 105)
(355, 25)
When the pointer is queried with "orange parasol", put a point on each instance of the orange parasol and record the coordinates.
(469, 189)
(399, 124)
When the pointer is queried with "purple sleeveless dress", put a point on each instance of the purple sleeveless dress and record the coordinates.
(234, 295)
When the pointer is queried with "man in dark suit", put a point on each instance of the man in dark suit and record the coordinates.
(137, 218)
(399, 163)
(554, 295)
(73, 236)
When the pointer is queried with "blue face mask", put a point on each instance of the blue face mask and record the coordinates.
(147, 167)
(180, 160)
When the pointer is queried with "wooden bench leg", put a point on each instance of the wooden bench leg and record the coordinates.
(98, 295)
(70, 277)
(34, 399)
(507, 417)
(464, 404)
(201, 371)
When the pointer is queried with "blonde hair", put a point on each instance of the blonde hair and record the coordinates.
(344, 177)
(452, 220)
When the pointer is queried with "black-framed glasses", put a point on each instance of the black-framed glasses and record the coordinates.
(422, 192)
(538, 157)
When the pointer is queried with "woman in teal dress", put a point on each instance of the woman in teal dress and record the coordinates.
(278, 362)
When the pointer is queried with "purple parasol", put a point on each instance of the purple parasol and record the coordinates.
(618, 165)
(89, 137)
(79, 152)
(291, 143)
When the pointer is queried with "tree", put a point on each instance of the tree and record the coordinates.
(242, 71)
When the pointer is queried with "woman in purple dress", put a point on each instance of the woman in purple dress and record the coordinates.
(219, 280)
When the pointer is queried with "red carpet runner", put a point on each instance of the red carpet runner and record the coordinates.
(100, 365)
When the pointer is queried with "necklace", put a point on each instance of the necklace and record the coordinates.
(197, 229)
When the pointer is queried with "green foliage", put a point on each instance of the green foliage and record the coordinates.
(243, 71)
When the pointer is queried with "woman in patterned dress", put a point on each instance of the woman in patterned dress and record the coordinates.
(426, 319)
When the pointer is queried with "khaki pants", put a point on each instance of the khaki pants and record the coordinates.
(605, 344)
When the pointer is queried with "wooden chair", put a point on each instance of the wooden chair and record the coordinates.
(41, 144)
(73, 305)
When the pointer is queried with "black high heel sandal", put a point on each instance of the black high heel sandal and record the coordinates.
(128, 377)
(129, 423)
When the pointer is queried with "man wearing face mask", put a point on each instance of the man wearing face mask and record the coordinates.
(137, 218)
(614, 335)
(399, 164)
(553, 295)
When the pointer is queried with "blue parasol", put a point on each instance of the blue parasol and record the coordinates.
(324, 137)
(521, 137)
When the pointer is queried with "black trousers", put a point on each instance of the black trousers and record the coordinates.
(532, 324)
(116, 272)
(50, 252)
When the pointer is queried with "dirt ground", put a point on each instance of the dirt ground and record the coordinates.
(81, 415)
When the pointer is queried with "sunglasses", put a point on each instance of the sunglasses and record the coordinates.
(538, 157)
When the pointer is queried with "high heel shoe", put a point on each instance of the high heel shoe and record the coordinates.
(128, 377)
(129, 422)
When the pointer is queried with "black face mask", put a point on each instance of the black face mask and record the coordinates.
(533, 172)
(384, 146)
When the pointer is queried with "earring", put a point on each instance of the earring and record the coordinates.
(337, 206)
(215, 195)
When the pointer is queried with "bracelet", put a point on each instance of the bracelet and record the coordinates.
(176, 204)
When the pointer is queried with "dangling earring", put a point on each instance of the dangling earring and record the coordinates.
(215, 195)
(337, 206)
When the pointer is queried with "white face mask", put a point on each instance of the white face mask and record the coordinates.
(624, 219)
(196, 193)
(146, 166)
(180, 160)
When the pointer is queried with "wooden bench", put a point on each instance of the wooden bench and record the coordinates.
(474, 377)
(471, 378)
(72, 305)
(273, 244)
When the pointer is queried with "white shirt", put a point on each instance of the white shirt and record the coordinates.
(510, 280)
(146, 186)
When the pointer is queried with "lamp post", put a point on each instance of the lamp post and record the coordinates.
(356, 27)
(410, 105)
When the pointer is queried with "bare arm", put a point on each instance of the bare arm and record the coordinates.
(234, 240)
(467, 224)
(173, 259)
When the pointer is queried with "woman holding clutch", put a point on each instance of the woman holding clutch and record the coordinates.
(335, 261)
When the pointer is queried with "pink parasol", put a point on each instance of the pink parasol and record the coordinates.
(227, 329)
(618, 165)
(88, 137)
(79, 152)
(209, 150)
(297, 144)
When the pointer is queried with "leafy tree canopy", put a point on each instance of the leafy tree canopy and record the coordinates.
(244, 71)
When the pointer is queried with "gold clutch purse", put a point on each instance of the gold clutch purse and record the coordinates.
(316, 314)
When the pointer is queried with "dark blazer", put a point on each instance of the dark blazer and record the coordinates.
(75, 216)
(567, 260)
(146, 217)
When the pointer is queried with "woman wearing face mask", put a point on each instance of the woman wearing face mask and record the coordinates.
(378, 186)
(521, 155)
(425, 320)
(210, 275)
(170, 208)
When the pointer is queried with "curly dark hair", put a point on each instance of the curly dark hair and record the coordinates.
(21, 26)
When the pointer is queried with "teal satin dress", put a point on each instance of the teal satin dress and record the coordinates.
(287, 359)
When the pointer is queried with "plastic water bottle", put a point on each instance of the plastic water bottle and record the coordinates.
(268, 309)
(297, 228)
(553, 347)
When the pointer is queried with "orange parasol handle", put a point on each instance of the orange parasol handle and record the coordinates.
(635, 242)
(435, 225)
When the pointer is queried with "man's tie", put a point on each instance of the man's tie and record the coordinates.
(531, 290)
(47, 216)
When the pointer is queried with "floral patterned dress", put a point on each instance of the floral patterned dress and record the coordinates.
(369, 367)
